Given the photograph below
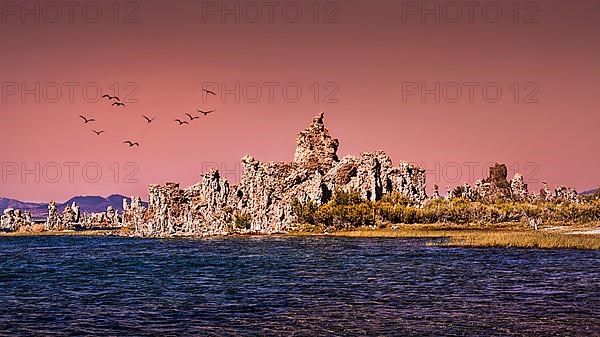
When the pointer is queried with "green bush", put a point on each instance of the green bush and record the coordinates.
(305, 212)
(242, 221)
(345, 216)
(347, 210)
(396, 198)
(342, 198)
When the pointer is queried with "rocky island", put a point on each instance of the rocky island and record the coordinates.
(318, 188)
(262, 201)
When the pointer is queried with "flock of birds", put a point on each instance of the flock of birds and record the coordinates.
(118, 103)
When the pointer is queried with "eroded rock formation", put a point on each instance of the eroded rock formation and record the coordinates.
(14, 219)
(134, 213)
(563, 193)
(497, 181)
(108, 219)
(518, 189)
(545, 194)
(262, 201)
(53, 222)
(493, 188)
(70, 216)
(314, 146)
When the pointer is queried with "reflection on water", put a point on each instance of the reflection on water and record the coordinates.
(292, 287)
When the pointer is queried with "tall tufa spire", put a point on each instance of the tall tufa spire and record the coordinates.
(315, 148)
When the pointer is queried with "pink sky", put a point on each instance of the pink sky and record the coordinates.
(370, 55)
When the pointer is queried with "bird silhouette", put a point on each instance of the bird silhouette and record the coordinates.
(86, 120)
(210, 92)
(192, 117)
(110, 98)
(131, 143)
(205, 112)
(98, 132)
(182, 122)
(149, 120)
(118, 104)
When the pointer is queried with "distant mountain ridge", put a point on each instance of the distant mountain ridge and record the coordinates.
(88, 204)
(590, 192)
(12, 203)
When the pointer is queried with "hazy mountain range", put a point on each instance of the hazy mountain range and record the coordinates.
(589, 192)
(89, 204)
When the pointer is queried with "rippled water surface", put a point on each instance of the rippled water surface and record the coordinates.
(292, 287)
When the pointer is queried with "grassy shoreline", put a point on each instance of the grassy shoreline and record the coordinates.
(469, 235)
(472, 236)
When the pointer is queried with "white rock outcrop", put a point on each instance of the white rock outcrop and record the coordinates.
(262, 201)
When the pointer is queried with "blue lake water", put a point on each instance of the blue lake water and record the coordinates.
(292, 287)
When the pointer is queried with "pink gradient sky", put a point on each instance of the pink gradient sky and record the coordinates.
(369, 54)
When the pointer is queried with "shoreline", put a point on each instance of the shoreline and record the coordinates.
(508, 235)
(91, 232)
(490, 238)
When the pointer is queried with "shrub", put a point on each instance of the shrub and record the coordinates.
(396, 198)
(393, 213)
(342, 198)
(347, 210)
(242, 221)
(305, 212)
(345, 216)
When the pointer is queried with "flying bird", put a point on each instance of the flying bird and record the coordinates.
(98, 132)
(131, 143)
(210, 92)
(182, 122)
(149, 120)
(110, 98)
(118, 104)
(85, 120)
(192, 117)
(205, 112)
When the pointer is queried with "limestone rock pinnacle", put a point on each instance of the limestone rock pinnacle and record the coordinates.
(315, 148)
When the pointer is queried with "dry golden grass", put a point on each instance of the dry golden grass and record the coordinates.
(396, 233)
(469, 235)
(503, 235)
(38, 228)
(529, 239)
(429, 230)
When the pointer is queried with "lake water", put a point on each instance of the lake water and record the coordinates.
(292, 287)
